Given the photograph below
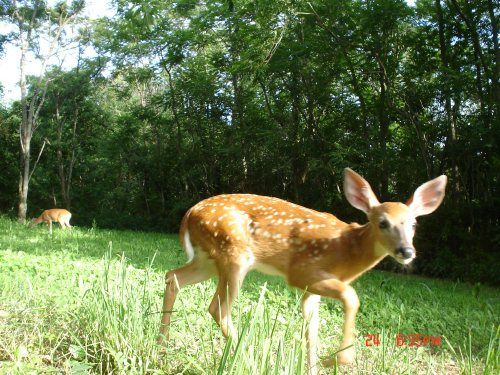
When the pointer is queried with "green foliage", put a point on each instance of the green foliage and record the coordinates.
(276, 98)
(9, 121)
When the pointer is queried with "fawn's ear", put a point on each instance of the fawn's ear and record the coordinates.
(428, 196)
(358, 191)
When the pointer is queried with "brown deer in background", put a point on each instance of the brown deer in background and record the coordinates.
(59, 215)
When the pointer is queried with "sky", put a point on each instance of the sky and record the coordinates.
(9, 63)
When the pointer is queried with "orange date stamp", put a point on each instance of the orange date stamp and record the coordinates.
(410, 340)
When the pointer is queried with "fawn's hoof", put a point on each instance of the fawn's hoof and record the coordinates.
(162, 339)
(344, 357)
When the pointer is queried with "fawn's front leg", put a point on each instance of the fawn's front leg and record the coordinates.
(336, 289)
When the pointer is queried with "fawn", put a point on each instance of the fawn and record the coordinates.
(229, 235)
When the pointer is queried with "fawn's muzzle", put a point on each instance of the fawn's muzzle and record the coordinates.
(406, 252)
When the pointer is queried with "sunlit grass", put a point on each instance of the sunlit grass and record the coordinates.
(89, 300)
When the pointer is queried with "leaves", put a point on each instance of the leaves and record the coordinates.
(276, 98)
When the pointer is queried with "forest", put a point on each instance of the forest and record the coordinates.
(186, 99)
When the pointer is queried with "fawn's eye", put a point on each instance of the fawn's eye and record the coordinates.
(383, 224)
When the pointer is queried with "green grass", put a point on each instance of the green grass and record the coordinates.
(88, 301)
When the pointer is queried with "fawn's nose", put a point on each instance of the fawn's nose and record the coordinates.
(406, 252)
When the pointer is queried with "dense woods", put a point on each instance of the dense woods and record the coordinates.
(187, 99)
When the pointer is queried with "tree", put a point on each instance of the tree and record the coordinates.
(35, 21)
(276, 98)
(66, 116)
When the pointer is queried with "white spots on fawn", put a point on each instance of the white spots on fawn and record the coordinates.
(232, 219)
(302, 247)
(239, 218)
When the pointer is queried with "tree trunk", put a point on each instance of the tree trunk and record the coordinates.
(31, 108)
(383, 133)
(295, 139)
(496, 51)
(451, 119)
(24, 134)
(480, 62)
(238, 119)
(23, 184)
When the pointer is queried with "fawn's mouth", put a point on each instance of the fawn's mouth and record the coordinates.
(403, 261)
(405, 255)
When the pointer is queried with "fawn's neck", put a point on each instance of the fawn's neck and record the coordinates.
(357, 251)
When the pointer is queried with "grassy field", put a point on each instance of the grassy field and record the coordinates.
(87, 301)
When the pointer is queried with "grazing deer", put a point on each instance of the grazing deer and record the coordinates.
(228, 235)
(59, 215)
